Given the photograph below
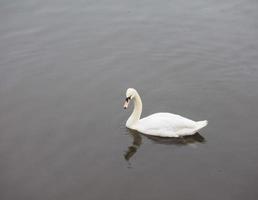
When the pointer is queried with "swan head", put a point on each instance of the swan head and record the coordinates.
(130, 94)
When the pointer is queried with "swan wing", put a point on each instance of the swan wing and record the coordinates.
(166, 125)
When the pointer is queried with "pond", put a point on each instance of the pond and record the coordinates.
(64, 70)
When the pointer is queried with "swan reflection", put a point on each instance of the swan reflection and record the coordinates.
(137, 141)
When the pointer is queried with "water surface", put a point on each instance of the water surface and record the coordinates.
(64, 69)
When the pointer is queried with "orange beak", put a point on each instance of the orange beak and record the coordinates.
(126, 103)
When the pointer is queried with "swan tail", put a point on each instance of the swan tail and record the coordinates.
(201, 124)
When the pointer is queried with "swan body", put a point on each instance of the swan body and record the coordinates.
(159, 124)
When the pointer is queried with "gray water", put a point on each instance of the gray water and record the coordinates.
(65, 67)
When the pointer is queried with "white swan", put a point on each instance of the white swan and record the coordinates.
(159, 124)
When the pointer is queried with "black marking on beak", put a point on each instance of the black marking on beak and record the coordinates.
(127, 99)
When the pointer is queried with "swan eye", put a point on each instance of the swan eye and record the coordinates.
(128, 98)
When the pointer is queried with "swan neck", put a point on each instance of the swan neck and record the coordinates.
(137, 111)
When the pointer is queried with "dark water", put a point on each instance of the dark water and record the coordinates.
(64, 69)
